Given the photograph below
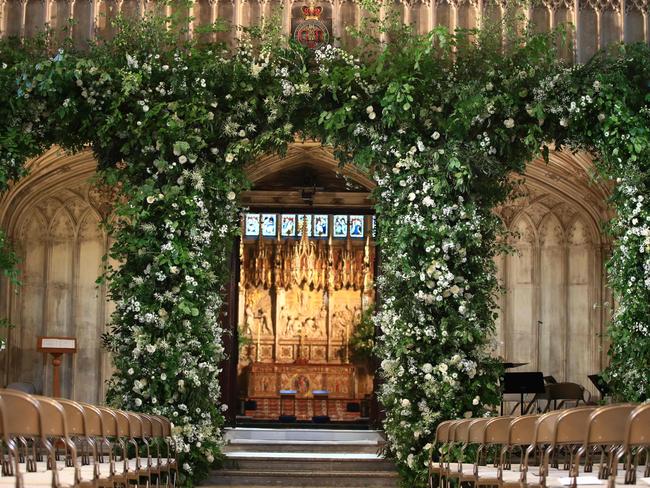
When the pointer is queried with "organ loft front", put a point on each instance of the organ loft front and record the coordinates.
(306, 284)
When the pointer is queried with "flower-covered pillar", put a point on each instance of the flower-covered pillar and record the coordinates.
(438, 286)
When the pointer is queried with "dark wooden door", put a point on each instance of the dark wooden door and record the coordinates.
(228, 377)
(377, 413)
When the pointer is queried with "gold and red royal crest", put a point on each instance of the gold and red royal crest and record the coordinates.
(311, 32)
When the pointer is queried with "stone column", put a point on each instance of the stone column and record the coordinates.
(576, 33)
(190, 19)
(214, 12)
(286, 17)
(23, 17)
(407, 6)
(337, 24)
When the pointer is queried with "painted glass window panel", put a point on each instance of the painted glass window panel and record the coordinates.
(269, 227)
(321, 225)
(356, 225)
(252, 224)
(301, 218)
(340, 226)
(288, 228)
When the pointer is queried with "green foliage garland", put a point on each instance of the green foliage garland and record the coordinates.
(440, 120)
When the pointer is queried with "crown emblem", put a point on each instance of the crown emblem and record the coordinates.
(311, 11)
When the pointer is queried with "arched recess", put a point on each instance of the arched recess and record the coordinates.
(558, 280)
(283, 180)
(52, 216)
(556, 304)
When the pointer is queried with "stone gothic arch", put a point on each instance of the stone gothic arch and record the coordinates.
(53, 217)
(556, 297)
(558, 278)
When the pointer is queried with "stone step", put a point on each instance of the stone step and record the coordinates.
(303, 435)
(315, 479)
(307, 462)
(365, 447)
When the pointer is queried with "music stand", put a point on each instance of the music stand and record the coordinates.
(600, 384)
(522, 384)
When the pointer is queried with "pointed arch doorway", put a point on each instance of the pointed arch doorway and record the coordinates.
(301, 292)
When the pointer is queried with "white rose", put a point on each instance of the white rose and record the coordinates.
(231, 195)
(151, 348)
(427, 368)
(138, 402)
(411, 196)
(230, 157)
(435, 136)
(372, 115)
(477, 400)
(564, 122)
(406, 402)
(601, 117)
(509, 123)
(182, 159)
(151, 199)
(173, 269)
(369, 109)
(427, 201)
(130, 371)
(163, 376)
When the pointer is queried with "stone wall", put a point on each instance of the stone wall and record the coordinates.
(556, 277)
(597, 23)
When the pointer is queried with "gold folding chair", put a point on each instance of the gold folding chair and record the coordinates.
(605, 431)
(440, 439)
(637, 438)
(10, 460)
(495, 434)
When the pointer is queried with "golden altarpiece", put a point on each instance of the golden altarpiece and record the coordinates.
(305, 281)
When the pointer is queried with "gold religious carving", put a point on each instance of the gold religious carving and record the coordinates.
(300, 301)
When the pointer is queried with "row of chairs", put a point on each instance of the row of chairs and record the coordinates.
(62, 443)
(586, 445)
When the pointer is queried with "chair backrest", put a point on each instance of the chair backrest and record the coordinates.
(123, 427)
(571, 426)
(496, 430)
(522, 430)
(135, 425)
(442, 431)
(21, 413)
(476, 432)
(545, 427)
(607, 424)
(637, 430)
(166, 425)
(157, 427)
(94, 420)
(462, 429)
(74, 417)
(147, 426)
(53, 419)
(4, 431)
(109, 419)
(451, 436)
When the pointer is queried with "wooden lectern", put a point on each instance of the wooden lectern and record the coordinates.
(56, 346)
